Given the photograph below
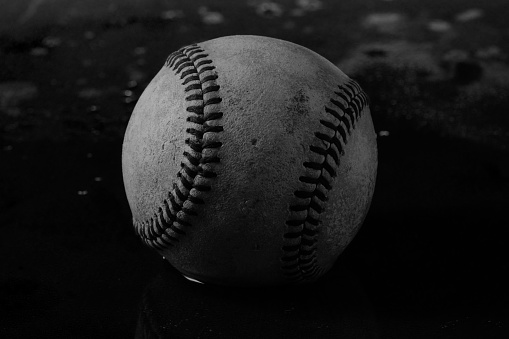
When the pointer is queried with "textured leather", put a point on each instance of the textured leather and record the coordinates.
(250, 160)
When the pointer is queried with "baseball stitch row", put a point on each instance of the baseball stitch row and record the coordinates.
(299, 252)
(168, 224)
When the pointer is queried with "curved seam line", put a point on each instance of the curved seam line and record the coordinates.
(160, 230)
(303, 263)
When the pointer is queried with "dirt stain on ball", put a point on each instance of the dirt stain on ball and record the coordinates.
(296, 107)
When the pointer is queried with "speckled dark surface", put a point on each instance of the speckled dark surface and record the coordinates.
(429, 261)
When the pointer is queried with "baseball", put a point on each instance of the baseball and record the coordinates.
(249, 161)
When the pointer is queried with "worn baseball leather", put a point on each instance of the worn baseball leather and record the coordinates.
(250, 161)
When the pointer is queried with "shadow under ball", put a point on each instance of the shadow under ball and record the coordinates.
(249, 161)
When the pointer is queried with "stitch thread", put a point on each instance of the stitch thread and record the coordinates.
(299, 260)
(168, 224)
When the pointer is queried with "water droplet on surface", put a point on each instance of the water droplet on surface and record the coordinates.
(439, 26)
(269, 9)
(93, 108)
(140, 50)
(52, 41)
(39, 51)
(210, 17)
(172, 14)
(469, 15)
(132, 84)
(89, 35)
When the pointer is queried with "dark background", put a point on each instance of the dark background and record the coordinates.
(431, 258)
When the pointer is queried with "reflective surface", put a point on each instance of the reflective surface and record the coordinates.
(173, 307)
(430, 260)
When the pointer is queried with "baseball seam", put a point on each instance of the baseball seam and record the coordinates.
(299, 259)
(168, 224)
